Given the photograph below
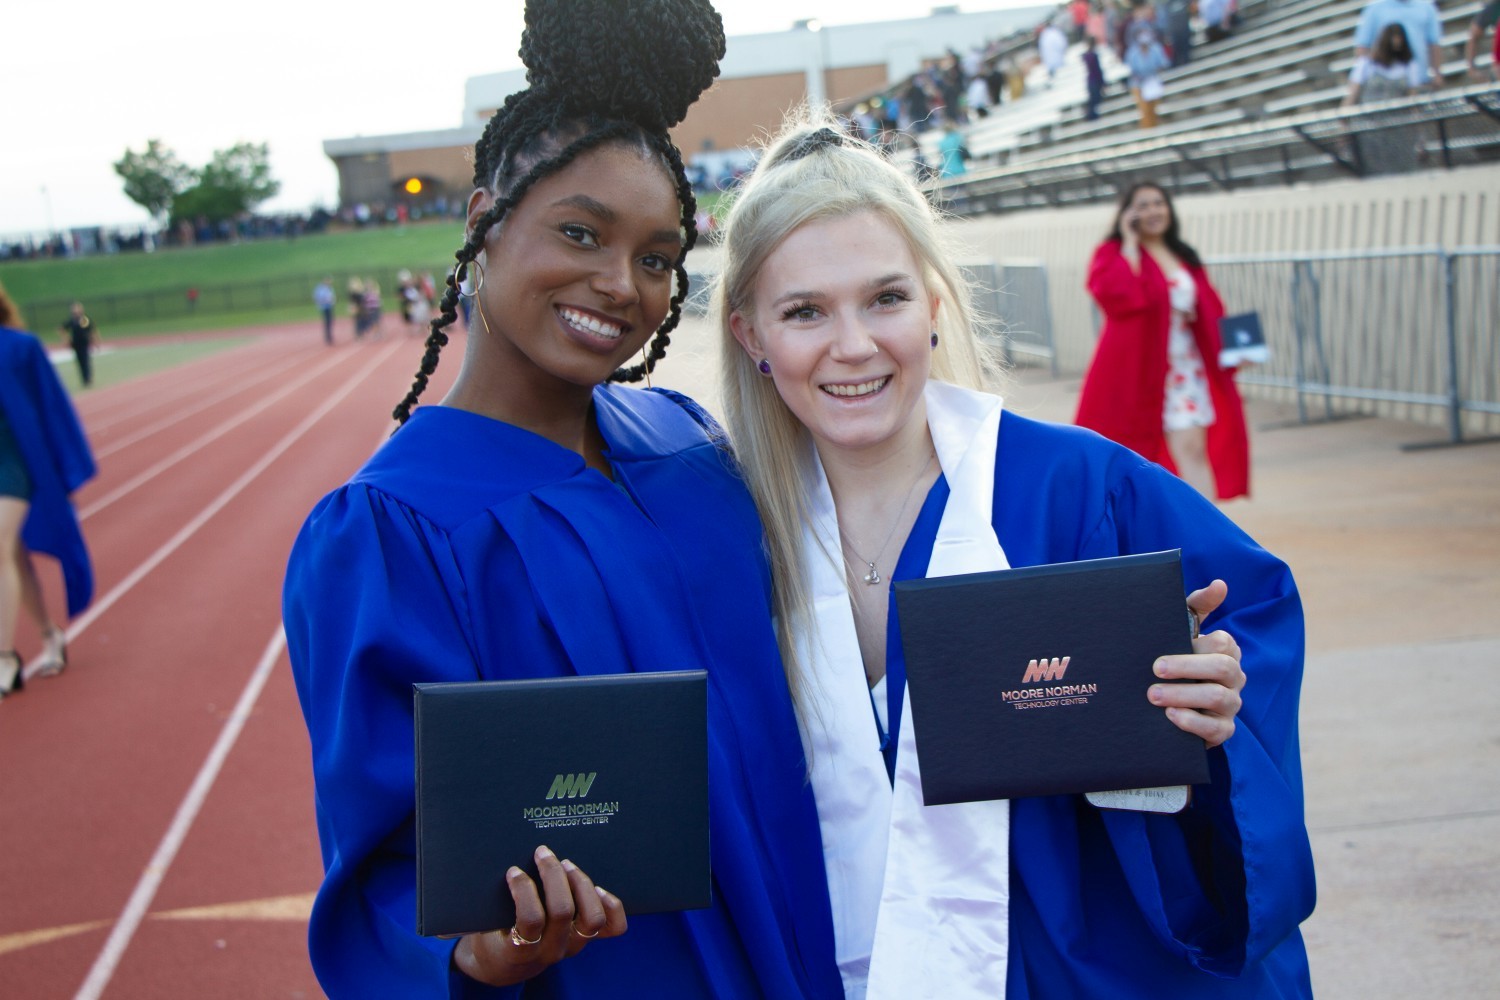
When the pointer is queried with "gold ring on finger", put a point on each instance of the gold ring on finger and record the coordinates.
(586, 937)
(521, 942)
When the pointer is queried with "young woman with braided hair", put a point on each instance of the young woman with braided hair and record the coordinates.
(543, 522)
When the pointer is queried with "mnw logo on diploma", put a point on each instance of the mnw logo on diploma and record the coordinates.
(1045, 671)
(560, 813)
(1038, 671)
(575, 786)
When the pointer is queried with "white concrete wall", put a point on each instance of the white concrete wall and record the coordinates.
(1450, 209)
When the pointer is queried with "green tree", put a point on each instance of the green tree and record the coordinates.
(153, 177)
(234, 182)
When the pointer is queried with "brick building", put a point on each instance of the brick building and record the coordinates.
(761, 76)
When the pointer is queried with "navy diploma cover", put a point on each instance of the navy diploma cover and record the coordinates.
(1033, 681)
(609, 771)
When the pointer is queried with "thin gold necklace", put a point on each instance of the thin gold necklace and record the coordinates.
(872, 577)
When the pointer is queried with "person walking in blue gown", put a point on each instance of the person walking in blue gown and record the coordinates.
(44, 458)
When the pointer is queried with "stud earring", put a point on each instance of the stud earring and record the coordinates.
(934, 338)
(764, 366)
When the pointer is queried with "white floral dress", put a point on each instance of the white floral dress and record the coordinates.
(1186, 402)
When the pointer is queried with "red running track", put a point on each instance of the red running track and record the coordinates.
(157, 835)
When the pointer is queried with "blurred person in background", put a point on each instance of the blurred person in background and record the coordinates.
(1218, 18)
(1146, 59)
(1052, 46)
(954, 153)
(325, 299)
(371, 307)
(1174, 20)
(1078, 15)
(1155, 384)
(1484, 20)
(354, 295)
(977, 96)
(80, 333)
(1093, 78)
(44, 457)
(1391, 70)
(1424, 31)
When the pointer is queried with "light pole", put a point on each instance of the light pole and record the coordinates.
(817, 65)
(47, 204)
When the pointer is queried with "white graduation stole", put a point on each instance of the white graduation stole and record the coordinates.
(920, 895)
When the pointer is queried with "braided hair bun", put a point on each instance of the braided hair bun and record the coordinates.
(599, 71)
(642, 61)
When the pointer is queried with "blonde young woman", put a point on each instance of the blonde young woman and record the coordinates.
(854, 396)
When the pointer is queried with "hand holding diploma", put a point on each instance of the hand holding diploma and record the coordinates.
(552, 924)
(1207, 708)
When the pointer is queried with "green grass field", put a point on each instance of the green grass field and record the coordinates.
(419, 246)
(243, 284)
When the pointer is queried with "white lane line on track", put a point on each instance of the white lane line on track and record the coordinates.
(180, 415)
(187, 812)
(123, 400)
(188, 449)
(104, 603)
(193, 385)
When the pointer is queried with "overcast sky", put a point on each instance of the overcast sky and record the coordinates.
(83, 81)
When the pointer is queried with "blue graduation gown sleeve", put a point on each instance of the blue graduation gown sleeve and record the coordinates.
(57, 457)
(1125, 904)
(368, 600)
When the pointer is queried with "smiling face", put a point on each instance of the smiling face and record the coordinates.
(578, 276)
(1152, 215)
(841, 312)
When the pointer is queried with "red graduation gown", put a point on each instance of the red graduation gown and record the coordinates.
(1124, 388)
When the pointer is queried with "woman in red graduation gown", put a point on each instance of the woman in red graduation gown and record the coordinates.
(1155, 384)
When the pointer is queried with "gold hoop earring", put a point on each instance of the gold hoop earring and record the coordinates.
(646, 365)
(461, 280)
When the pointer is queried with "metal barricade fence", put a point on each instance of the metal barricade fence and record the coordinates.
(699, 287)
(1010, 300)
(211, 300)
(1415, 326)
(1013, 308)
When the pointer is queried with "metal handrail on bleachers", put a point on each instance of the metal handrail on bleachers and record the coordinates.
(1269, 128)
(1306, 146)
(1018, 128)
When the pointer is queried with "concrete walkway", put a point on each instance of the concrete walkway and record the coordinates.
(1397, 554)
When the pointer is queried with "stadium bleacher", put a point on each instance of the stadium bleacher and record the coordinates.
(1279, 79)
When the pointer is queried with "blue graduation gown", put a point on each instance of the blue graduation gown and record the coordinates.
(57, 458)
(468, 548)
(1117, 904)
